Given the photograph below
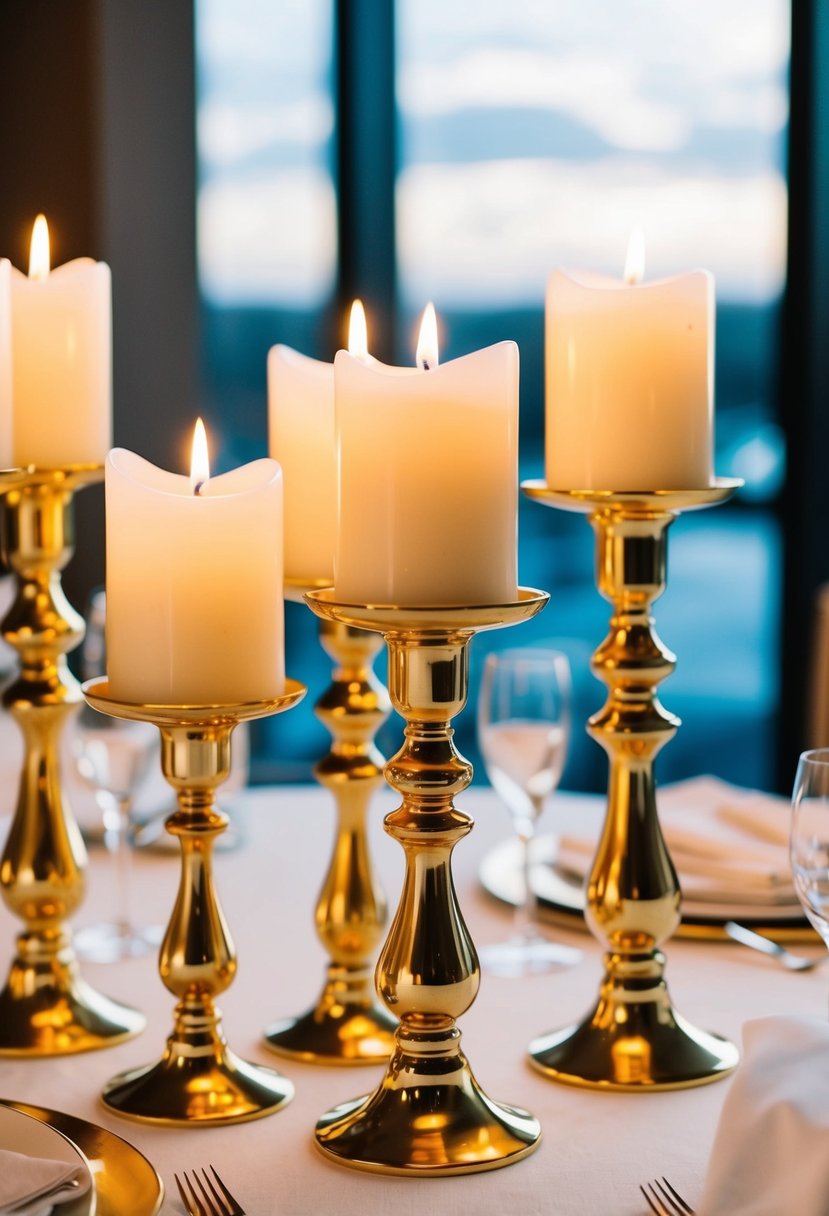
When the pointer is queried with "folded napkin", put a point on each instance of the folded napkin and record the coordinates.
(31, 1186)
(771, 1150)
(727, 844)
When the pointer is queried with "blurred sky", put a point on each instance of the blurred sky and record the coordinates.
(535, 135)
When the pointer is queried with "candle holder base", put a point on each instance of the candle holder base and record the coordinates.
(202, 1085)
(46, 1009)
(633, 1040)
(428, 1118)
(346, 1026)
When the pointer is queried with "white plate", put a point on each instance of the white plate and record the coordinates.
(21, 1133)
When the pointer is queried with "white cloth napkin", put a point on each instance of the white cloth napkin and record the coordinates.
(727, 843)
(771, 1150)
(31, 1186)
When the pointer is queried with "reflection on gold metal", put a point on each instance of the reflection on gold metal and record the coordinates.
(126, 1184)
(347, 1025)
(428, 1116)
(46, 1008)
(632, 1039)
(198, 1080)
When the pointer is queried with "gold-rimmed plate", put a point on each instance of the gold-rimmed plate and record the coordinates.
(125, 1182)
(21, 1132)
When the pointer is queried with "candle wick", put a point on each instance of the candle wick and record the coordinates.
(197, 488)
(425, 364)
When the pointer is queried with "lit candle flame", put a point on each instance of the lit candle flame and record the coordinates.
(427, 342)
(39, 250)
(635, 260)
(357, 332)
(199, 461)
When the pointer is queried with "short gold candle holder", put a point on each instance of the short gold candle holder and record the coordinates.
(428, 1116)
(632, 1039)
(347, 1025)
(46, 1008)
(198, 1081)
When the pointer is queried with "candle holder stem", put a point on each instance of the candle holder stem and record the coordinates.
(198, 1081)
(46, 1008)
(347, 1025)
(632, 1039)
(428, 1116)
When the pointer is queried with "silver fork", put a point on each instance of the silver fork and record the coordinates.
(792, 962)
(664, 1199)
(208, 1201)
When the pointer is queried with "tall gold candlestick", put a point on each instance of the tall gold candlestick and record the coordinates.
(428, 1116)
(198, 1081)
(46, 1008)
(632, 1039)
(347, 1025)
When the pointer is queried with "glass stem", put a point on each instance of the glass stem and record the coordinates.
(116, 810)
(524, 920)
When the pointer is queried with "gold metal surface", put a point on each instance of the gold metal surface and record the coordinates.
(632, 1039)
(198, 1081)
(428, 1116)
(126, 1184)
(347, 1025)
(46, 1008)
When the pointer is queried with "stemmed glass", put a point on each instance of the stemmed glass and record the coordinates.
(523, 732)
(112, 756)
(809, 842)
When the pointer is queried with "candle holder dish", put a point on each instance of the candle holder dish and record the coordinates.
(428, 1116)
(46, 1008)
(632, 1039)
(198, 1081)
(347, 1025)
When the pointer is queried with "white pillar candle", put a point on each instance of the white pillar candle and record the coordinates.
(630, 382)
(301, 438)
(428, 468)
(5, 363)
(194, 583)
(62, 360)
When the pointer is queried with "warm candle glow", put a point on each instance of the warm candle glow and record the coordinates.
(357, 332)
(39, 250)
(635, 260)
(427, 342)
(199, 461)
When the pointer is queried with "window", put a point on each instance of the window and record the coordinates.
(532, 136)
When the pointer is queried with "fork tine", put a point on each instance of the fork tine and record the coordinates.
(665, 1200)
(188, 1197)
(233, 1207)
(677, 1200)
(220, 1206)
(210, 1208)
(653, 1201)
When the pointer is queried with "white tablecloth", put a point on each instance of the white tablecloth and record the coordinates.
(596, 1147)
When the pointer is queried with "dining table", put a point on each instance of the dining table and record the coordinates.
(596, 1147)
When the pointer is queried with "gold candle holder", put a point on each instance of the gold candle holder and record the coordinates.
(347, 1025)
(428, 1116)
(46, 1008)
(632, 1039)
(198, 1081)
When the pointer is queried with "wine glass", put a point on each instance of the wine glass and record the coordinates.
(809, 841)
(112, 756)
(523, 731)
